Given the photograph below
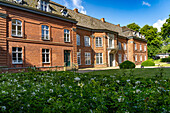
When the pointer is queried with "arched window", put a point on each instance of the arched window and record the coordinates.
(78, 39)
(98, 42)
(16, 28)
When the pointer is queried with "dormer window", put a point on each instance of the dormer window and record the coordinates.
(44, 5)
(64, 12)
(18, 1)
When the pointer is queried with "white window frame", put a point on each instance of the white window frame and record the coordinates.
(145, 58)
(120, 45)
(141, 58)
(45, 29)
(87, 42)
(17, 61)
(16, 30)
(79, 57)
(46, 53)
(136, 58)
(135, 46)
(66, 35)
(125, 57)
(140, 47)
(87, 56)
(78, 39)
(120, 58)
(43, 5)
(99, 42)
(145, 47)
(99, 56)
(124, 46)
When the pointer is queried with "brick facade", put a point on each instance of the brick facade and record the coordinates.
(32, 43)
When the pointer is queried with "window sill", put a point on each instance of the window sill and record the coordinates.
(46, 62)
(46, 39)
(87, 64)
(99, 46)
(67, 42)
(16, 36)
(17, 63)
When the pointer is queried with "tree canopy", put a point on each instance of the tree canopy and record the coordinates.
(134, 27)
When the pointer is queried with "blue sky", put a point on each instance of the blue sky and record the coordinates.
(123, 12)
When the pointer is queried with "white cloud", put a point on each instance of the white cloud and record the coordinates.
(66, 3)
(159, 24)
(78, 4)
(146, 3)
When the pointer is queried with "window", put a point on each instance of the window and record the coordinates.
(45, 32)
(136, 58)
(135, 46)
(16, 28)
(45, 55)
(140, 47)
(16, 55)
(110, 42)
(119, 44)
(66, 35)
(79, 58)
(87, 58)
(124, 46)
(120, 58)
(141, 58)
(98, 42)
(78, 39)
(145, 48)
(99, 58)
(87, 41)
(125, 58)
(145, 58)
(44, 5)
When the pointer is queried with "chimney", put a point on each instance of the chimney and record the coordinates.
(118, 25)
(103, 19)
(76, 10)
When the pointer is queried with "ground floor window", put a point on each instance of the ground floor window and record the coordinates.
(79, 58)
(45, 55)
(141, 58)
(145, 57)
(125, 58)
(136, 58)
(87, 58)
(17, 55)
(120, 58)
(99, 58)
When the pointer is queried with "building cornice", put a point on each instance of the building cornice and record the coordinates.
(36, 11)
(134, 37)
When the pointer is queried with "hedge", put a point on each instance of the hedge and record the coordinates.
(127, 65)
(165, 59)
(148, 63)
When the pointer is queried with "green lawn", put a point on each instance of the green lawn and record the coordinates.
(137, 72)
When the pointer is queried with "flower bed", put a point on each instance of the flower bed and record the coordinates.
(70, 92)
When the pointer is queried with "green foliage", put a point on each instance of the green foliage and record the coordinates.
(148, 63)
(165, 49)
(165, 59)
(127, 65)
(154, 41)
(134, 27)
(69, 92)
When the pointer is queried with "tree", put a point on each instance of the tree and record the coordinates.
(154, 40)
(165, 31)
(165, 49)
(134, 27)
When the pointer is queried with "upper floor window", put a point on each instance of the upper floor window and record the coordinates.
(140, 47)
(45, 55)
(99, 58)
(66, 35)
(135, 46)
(110, 42)
(119, 44)
(16, 28)
(16, 55)
(78, 39)
(45, 32)
(124, 46)
(87, 41)
(98, 42)
(44, 5)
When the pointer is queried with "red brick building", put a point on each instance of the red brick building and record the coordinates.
(43, 33)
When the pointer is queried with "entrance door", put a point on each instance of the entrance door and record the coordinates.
(111, 60)
(67, 58)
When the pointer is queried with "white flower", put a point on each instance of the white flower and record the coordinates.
(28, 105)
(62, 85)
(94, 98)
(3, 107)
(81, 85)
(77, 79)
(70, 87)
(137, 82)
(49, 100)
(59, 95)
(120, 99)
(117, 81)
(33, 93)
(51, 90)
(138, 91)
(128, 80)
(156, 82)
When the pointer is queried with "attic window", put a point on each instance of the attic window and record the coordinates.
(64, 12)
(18, 1)
(43, 5)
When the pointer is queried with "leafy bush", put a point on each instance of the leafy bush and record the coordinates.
(148, 63)
(165, 59)
(71, 92)
(127, 65)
